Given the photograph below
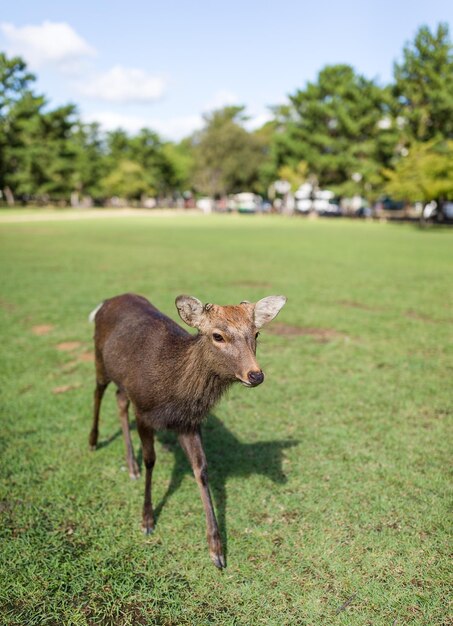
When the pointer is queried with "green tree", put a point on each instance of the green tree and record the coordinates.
(296, 176)
(36, 157)
(227, 158)
(180, 156)
(424, 174)
(21, 139)
(118, 147)
(15, 81)
(19, 123)
(424, 85)
(90, 167)
(128, 180)
(342, 127)
(148, 150)
(56, 154)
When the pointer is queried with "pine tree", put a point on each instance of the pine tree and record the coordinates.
(424, 85)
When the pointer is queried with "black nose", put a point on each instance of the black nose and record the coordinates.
(256, 378)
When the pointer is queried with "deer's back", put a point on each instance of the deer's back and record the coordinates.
(135, 340)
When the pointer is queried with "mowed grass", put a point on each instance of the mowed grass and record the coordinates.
(330, 481)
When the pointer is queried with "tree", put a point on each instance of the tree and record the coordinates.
(90, 167)
(148, 150)
(341, 126)
(20, 151)
(180, 156)
(227, 158)
(424, 85)
(128, 180)
(19, 120)
(36, 157)
(296, 176)
(424, 174)
(56, 155)
(15, 82)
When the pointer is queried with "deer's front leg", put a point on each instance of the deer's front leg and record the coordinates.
(149, 458)
(193, 447)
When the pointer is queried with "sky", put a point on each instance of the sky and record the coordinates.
(162, 65)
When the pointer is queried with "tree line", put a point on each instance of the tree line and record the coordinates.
(343, 131)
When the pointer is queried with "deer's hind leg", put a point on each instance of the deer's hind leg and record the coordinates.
(98, 395)
(123, 412)
(102, 382)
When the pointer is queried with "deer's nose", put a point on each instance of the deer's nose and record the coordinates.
(256, 378)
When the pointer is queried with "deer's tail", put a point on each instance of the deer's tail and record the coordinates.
(92, 315)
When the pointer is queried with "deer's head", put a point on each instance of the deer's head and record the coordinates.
(229, 333)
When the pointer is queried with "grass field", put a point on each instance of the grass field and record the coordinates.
(330, 481)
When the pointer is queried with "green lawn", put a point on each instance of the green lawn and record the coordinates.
(330, 481)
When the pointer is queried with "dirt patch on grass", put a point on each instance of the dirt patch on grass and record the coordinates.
(42, 329)
(70, 366)
(68, 346)
(25, 389)
(7, 306)
(421, 317)
(65, 388)
(323, 335)
(352, 304)
(415, 315)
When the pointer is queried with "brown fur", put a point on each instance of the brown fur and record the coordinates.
(172, 378)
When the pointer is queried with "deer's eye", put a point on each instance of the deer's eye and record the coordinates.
(218, 338)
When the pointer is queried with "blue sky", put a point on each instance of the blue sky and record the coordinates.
(162, 64)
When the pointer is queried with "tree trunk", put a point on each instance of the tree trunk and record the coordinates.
(9, 196)
(75, 199)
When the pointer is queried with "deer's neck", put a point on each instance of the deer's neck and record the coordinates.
(199, 384)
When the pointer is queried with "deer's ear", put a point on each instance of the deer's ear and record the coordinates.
(267, 308)
(190, 310)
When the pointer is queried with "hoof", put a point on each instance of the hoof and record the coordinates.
(218, 560)
(92, 447)
(147, 530)
(134, 470)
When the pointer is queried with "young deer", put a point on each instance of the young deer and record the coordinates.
(174, 378)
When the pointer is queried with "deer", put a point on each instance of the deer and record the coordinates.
(173, 377)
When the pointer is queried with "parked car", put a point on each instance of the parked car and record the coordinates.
(364, 211)
(322, 201)
(447, 209)
(247, 202)
(331, 209)
(432, 212)
(389, 204)
(206, 204)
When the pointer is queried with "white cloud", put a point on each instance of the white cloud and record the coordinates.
(123, 85)
(179, 127)
(54, 43)
(220, 99)
(173, 128)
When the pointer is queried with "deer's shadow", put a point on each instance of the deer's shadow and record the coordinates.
(227, 456)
